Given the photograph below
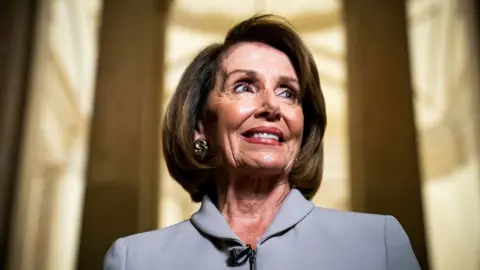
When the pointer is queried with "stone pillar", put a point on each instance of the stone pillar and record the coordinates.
(121, 195)
(384, 170)
(17, 29)
(475, 23)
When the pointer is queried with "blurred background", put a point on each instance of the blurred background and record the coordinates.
(84, 84)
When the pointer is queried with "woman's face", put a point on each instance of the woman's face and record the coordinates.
(254, 118)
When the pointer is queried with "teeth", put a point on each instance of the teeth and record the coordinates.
(266, 136)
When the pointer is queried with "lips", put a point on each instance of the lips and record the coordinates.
(264, 135)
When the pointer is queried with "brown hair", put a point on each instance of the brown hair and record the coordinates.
(187, 107)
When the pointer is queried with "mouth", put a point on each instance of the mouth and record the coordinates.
(264, 135)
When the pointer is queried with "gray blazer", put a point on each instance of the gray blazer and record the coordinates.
(301, 236)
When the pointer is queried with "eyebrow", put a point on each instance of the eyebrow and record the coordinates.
(246, 71)
(255, 74)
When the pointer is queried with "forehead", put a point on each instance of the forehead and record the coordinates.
(258, 57)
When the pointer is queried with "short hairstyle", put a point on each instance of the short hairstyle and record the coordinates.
(187, 107)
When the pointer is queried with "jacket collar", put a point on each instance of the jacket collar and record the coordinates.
(210, 221)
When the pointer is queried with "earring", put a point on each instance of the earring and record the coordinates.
(200, 148)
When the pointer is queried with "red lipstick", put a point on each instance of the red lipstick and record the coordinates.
(264, 135)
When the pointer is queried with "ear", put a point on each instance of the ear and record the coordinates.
(199, 131)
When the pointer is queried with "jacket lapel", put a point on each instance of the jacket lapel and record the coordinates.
(293, 210)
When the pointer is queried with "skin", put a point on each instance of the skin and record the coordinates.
(257, 86)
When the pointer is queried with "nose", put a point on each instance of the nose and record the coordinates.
(269, 109)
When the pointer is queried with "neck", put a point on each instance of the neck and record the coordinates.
(250, 204)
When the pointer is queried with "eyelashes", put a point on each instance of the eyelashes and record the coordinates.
(246, 86)
(289, 94)
(242, 87)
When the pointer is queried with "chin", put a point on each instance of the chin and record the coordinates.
(269, 166)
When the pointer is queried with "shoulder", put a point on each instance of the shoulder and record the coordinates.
(355, 230)
(354, 222)
(386, 225)
(378, 233)
(348, 220)
(159, 237)
(142, 247)
(168, 236)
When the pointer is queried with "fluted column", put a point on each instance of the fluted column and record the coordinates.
(385, 176)
(475, 22)
(122, 178)
(16, 38)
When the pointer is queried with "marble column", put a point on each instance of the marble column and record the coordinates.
(16, 39)
(121, 196)
(384, 167)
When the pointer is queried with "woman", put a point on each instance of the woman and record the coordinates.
(243, 135)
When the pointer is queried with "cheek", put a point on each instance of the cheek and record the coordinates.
(294, 119)
(232, 114)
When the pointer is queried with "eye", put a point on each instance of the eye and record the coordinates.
(242, 87)
(288, 93)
